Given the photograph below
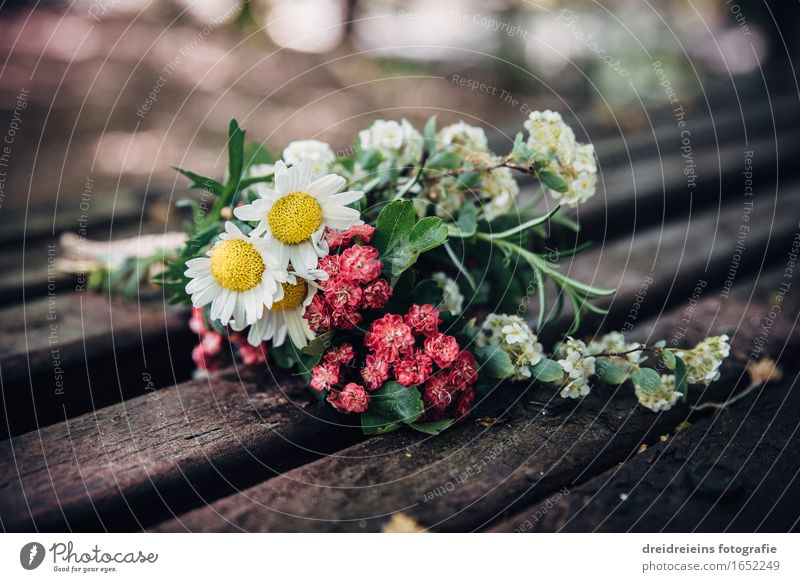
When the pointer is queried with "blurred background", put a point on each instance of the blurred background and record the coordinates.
(115, 92)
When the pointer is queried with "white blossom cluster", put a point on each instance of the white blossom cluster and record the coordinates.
(578, 364)
(398, 142)
(512, 335)
(573, 161)
(453, 300)
(662, 399)
(313, 150)
(466, 139)
(703, 361)
(498, 189)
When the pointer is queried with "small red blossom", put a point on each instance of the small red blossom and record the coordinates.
(442, 348)
(329, 264)
(436, 397)
(324, 376)
(196, 323)
(252, 355)
(345, 319)
(388, 337)
(341, 354)
(360, 264)
(205, 353)
(352, 398)
(318, 314)
(375, 372)
(423, 318)
(376, 294)
(335, 238)
(342, 294)
(413, 369)
(463, 372)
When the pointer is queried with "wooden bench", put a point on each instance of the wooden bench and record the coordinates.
(246, 449)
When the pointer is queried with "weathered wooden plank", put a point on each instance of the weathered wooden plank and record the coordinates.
(73, 352)
(656, 268)
(88, 209)
(138, 462)
(655, 188)
(472, 474)
(735, 471)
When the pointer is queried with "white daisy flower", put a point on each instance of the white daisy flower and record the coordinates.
(285, 317)
(294, 214)
(239, 277)
(310, 149)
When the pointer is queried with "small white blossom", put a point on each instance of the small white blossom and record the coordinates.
(453, 300)
(465, 137)
(511, 334)
(703, 361)
(398, 142)
(578, 364)
(310, 149)
(500, 190)
(614, 343)
(574, 162)
(662, 399)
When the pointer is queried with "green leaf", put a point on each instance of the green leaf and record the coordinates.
(427, 234)
(468, 219)
(202, 182)
(646, 379)
(430, 135)
(318, 345)
(668, 357)
(400, 241)
(470, 179)
(373, 423)
(444, 160)
(681, 384)
(547, 371)
(394, 222)
(609, 372)
(519, 152)
(432, 428)
(397, 403)
(495, 362)
(552, 180)
(235, 156)
(369, 159)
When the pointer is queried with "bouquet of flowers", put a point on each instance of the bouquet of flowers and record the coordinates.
(395, 279)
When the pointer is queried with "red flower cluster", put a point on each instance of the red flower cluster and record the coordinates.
(415, 352)
(353, 284)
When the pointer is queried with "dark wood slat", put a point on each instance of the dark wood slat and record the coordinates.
(663, 266)
(135, 463)
(470, 475)
(96, 354)
(654, 188)
(99, 209)
(734, 472)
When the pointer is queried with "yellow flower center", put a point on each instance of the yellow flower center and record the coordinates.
(292, 296)
(295, 217)
(236, 265)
